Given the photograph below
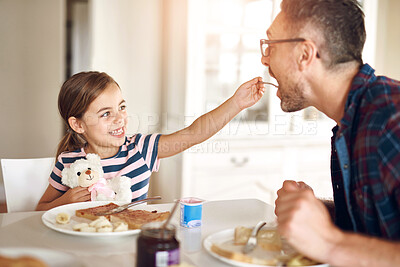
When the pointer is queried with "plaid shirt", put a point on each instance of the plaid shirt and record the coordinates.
(365, 161)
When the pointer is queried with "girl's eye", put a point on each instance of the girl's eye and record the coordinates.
(105, 114)
(122, 107)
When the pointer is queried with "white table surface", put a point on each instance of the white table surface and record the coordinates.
(26, 229)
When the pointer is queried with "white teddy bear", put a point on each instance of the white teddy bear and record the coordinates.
(89, 173)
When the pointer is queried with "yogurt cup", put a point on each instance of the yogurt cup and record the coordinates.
(191, 212)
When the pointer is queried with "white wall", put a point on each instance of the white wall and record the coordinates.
(31, 71)
(126, 43)
(388, 39)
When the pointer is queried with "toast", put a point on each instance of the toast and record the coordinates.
(238, 256)
(90, 213)
(136, 218)
(26, 261)
(267, 239)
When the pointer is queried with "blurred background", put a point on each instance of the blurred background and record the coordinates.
(174, 60)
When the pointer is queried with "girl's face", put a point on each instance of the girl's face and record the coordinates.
(104, 122)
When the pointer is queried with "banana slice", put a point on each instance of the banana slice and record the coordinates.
(63, 218)
(100, 222)
(105, 229)
(79, 226)
(88, 229)
(120, 226)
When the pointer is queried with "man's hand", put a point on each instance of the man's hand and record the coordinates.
(305, 222)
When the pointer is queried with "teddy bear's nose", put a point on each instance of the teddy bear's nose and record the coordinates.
(88, 172)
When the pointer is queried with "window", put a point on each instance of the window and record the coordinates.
(225, 46)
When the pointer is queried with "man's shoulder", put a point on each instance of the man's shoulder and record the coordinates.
(382, 95)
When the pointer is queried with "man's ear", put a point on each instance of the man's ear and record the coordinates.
(76, 125)
(308, 53)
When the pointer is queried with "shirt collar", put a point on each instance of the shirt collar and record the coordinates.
(359, 84)
(364, 76)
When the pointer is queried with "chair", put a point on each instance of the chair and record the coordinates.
(25, 181)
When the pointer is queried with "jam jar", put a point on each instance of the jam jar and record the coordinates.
(157, 247)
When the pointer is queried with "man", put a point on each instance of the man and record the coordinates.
(314, 52)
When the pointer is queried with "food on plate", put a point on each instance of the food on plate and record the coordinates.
(100, 222)
(23, 261)
(136, 218)
(79, 226)
(300, 260)
(63, 218)
(107, 229)
(88, 229)
(90, 213)
(120, 226)
(101, 225)
(133, 218)
(270, 250)
(268, 239)
(237, 255)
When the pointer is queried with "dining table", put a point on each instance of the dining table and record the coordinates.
(26, 230)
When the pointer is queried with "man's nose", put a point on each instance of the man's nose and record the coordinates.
(265, 61)
(88, 172)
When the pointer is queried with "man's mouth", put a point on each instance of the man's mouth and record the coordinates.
(117, 132)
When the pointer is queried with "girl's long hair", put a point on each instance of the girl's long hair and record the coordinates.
(75, 96)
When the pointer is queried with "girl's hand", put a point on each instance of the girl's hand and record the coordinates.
(76, 194)
(249, 93)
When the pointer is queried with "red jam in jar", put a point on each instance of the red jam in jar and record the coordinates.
(157, 247)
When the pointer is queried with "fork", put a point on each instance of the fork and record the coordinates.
(124, 207)
(252, 242)
(269, 84)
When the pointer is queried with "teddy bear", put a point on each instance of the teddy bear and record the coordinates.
(89, 173)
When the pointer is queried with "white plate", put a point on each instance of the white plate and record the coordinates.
(49, 218)
(226, 236)
(51, 257)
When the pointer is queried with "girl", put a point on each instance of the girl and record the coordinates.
(94, 111)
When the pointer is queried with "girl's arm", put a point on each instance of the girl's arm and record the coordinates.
(210, 123)
(53, 198)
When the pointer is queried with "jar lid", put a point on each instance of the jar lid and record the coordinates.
(155, 230)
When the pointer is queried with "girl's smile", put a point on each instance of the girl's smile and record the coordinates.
(119, 133)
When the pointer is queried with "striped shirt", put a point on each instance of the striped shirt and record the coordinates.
(137, 158)
(366, 158)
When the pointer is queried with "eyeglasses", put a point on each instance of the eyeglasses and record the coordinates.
(264, 44)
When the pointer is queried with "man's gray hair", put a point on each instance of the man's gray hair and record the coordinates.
(341, 23)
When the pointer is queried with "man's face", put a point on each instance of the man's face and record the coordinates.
(281, 64)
